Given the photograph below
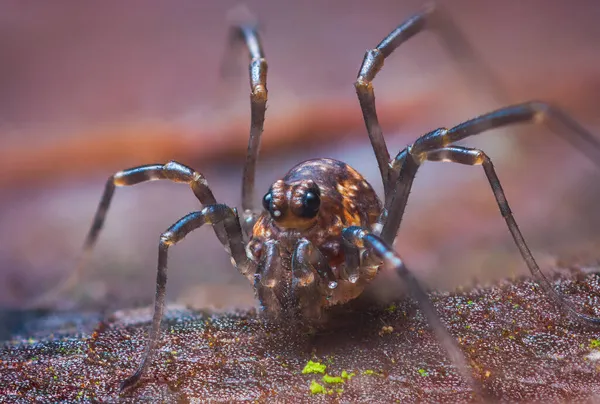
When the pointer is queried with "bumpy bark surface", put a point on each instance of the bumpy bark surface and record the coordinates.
(520, 345)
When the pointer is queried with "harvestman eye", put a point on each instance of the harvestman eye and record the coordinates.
(295, 262)
(266, 201)
(311, 203)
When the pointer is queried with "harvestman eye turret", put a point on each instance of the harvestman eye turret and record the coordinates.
(323, 234)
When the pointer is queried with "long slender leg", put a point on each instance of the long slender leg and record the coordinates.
(248, 34)
(212, 214)
(362, 239)
(435, 19)
(404, 166)
(472, 157)
(172, 171)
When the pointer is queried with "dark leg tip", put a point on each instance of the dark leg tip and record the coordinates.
(130, 382)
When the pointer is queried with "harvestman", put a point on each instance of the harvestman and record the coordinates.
(323, 234)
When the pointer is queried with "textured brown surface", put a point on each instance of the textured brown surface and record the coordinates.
(522, 349)
(88, 89)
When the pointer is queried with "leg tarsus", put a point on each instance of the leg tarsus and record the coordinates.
(213, 215)
(73, 279)
(472, 157)
(159, 306)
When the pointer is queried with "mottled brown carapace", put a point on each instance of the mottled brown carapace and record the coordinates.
(345, 199)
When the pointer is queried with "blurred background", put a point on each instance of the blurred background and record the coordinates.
(92, 88)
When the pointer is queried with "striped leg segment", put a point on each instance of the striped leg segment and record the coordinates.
(438, 21)
(405, 165)
(247, 33)
(172, 171)
(212, 214)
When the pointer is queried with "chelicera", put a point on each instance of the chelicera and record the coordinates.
(323, 234)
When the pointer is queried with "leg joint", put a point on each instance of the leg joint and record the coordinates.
(258, 79)
(167, 239)
(542, 110)
(372, 64)
(178, 172)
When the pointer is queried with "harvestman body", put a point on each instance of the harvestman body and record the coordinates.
(323, 234)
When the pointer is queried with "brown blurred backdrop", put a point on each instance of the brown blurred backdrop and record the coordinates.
(92, 88)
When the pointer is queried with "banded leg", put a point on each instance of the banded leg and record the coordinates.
(307, 261)
(472, 157)
(360, 238)
(247, 33)
(435, 19)
(172, 171)
(405, 165)
(213, 215)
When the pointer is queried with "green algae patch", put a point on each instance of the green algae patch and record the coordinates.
(423, 372)
(332, 379)
(347, 376)
(316, 388)
(594, 343)
(314, 367)
(369, 372)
